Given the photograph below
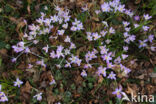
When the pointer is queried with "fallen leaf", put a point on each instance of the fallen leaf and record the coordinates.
(25, 92)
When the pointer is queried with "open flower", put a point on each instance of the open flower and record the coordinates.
(83, 73)
(38, 96)
(118, 92)
(112, 75)
(18, 82)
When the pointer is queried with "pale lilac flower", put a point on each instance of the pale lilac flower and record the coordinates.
(118, 92)
(125, 48)
(80, 26)
(126, 34)
(136, 25)
(65, 26)
(35, 41)
(67, 64)
(89, 37)
(47, 21)
(117, 60)
(129, 12)
(124, 56)
(150, 38)
(127, 29)
(46, 48)
(52, 82)
(145, 28)
(86, 66)
(132, 38)
(59, 53)
(83, 73)
(105, 7)
(101, 70)
(27, 50)
(76, 22)
(125, 23)
(3, 97)
(41, 63)
(103, 33)
(137, 18)
(85, 8)
(110, 65)
(73, 28)
(103, 49)
(121, 8)
(66, 51)
(112, 75)
(78, 61)
(97, 12)
(96, 36)
(127, 40)
(72, 46)
(108, 41)
(153, 48)
(30, 66)
(107, 57)
(45, 8)
(105, 23)
(14, 59)
(18, 82)
(52, 54)
(38, 96)
(147, 17)
(54, 18)
(142, 43)
(67, 39)
(73, 59)
(61, 32)
(111, 30)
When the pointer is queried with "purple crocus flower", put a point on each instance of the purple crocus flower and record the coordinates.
(142, 43)
(18, 82)
(137, 18)
(150, 38)
(83, 73)
(118, 92)
(112, 75)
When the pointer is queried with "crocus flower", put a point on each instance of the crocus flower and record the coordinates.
(18, 82)
(105, 7)
(83, 73)
(52, 82)
(67, 39)
(112, 75)
(38, 96)
(137, 18)
(46, 48)
(153, 48)
(111, 30)
(150, 38)
(142, 43)
(147, 17)
(3, 97)
(118, 92)
(145, 28)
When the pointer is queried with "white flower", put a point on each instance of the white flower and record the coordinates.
(38, 96)
(67, 39)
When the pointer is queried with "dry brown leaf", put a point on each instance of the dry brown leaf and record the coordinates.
(3, 52)
(25, 92)
(100, 79)
(137, 1)
(131, 90)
